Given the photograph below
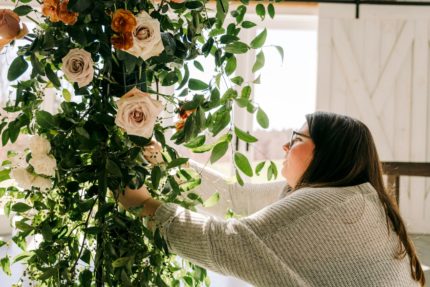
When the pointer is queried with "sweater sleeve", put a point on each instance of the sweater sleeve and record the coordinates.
(243, 200)
(224, 246)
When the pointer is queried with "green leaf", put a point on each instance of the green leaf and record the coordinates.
(85, 278)
(212, 200)
(274, 169)
(262, 118)
(243, 164)
(24, 256)
(177, 162)
(2, 243)
(79, 5)
(196, 85)
(236, 48)
(45, 120)
(238, 80)
(259, 40)
(170, 79)
(17, 68)
(7, 208)
(49, 272)
(113, 169)
(227, 39)
(222, 7)
(196, 142)
(67, 95)
(5, 137)
(121, 261)
(259, 167)
(86, 256)
(155, 176)
(239, 178)
(4, 174)
(260, 10)
(5, 265)
(20, 207)
(281, 52)
(231, 65)
(259, 62)
(271, 10)
(199, 66)
(52, 76)
(22, 10)
(82, 132)
(248, 24)
(244, 135)
(23, 226)
(218, 151)
(246, 92)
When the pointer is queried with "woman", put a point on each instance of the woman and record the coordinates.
(338, 226)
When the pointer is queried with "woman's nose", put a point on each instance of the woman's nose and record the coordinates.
(286, 147)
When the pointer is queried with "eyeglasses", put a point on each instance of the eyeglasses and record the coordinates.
(293, 139)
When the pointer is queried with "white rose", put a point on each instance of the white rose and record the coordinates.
(78, 67)
(146, 37)
(18, 160)
(152, 153)
(39, 146)
(137, 113)
(42, 183)
(45, 165)
(23, 178)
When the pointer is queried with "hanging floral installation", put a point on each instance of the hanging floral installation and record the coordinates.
(107, 60)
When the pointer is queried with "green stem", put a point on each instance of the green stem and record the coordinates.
(33, 20)
(101, 222)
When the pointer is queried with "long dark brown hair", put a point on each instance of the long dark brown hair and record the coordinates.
(345, 155)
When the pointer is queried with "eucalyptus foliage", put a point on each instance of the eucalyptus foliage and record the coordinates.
(83, 236)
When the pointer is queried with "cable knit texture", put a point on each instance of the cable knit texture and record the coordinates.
(312, 237)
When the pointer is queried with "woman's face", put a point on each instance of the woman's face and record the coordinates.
(299, 154)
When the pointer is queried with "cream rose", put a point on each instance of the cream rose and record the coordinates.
(146, 37)
(78, 67)
(23, 178)
(137, 113)
(42, 183)
(44, 165)
(39, 146)
(153, 153)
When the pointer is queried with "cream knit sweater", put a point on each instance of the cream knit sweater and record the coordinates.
(312, 237)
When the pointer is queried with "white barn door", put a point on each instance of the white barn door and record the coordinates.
(376, 69)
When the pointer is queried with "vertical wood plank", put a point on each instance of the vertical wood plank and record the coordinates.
(325, 50)
(372, 42)
(402, 120)
(419, 114)
(338, 102)
(389, 31)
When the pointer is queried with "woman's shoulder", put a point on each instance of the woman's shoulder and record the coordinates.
(311, 199)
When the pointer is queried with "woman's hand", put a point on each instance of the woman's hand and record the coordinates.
(139, 200)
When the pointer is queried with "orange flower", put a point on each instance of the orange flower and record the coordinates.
(10, 27)
(180, 124)
(123, 41)
(183, 114)
(67, 17)
(50, 10)
(123, 21)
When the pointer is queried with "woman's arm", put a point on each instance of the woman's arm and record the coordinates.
(243, 200)
(236, 247)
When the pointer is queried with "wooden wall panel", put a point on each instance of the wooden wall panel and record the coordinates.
(382, 61)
